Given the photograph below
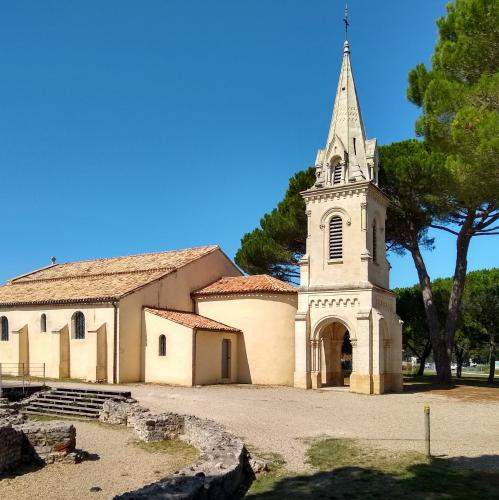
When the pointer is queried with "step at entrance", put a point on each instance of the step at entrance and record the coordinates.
(73, 402)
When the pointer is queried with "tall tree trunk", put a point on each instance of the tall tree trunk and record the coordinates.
(492, 360)
(460, 356)
(456, 296)
(422, 359)
(441, 355)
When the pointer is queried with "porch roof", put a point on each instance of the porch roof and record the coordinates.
(191, 320)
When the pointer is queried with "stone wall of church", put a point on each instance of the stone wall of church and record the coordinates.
(63, 355)
(176, 366)
(266, 346)
(171, 292)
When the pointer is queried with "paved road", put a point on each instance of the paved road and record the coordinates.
(281, 419)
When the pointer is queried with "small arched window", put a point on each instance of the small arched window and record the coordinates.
(43, 323)
(375, 244)
(335, 238)
(337, 174)
(78, 325)
(4, 325)
(162, 345)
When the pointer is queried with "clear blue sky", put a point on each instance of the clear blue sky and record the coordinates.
(132, 126)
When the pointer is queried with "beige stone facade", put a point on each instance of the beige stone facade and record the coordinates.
(189, 317)
(186, 317)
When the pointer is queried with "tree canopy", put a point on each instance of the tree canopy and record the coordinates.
(478, 326)
(276, 247)
(459, 99)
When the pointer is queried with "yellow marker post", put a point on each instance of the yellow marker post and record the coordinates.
(427, 429)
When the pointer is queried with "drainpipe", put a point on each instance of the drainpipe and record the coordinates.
(115, 343)
(194, 341)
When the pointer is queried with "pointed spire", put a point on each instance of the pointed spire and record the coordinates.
(346, 145)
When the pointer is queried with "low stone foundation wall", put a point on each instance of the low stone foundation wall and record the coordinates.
(22, 441)
(223, 471)
(48, 442)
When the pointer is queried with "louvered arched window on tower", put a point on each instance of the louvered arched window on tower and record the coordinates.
(337, 174)
(375, 243)
(335, 238)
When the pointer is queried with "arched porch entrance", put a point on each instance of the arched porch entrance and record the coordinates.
(331, 355)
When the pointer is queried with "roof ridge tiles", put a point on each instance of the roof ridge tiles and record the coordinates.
(256, 283)
(211, 247)
(96, 275)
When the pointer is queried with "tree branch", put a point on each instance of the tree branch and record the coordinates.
(443, 228)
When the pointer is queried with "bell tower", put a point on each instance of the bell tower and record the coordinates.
(344, 276)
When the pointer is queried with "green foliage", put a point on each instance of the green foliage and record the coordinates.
(278, 244)
(412, 176)
(459, 97)
(479, 311)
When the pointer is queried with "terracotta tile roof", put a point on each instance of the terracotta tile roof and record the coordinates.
(246, 284)
(191, 320)
(95, 280)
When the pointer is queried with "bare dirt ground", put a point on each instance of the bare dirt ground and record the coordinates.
(115, 465)
(283, 420)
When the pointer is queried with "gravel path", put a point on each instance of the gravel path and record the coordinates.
(115, 465)
(282, 419)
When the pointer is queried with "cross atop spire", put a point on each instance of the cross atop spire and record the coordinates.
(345, 19)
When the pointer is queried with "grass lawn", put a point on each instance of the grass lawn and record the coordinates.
(345, 470)
(185, 452)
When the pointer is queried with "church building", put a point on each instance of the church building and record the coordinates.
(190, 317)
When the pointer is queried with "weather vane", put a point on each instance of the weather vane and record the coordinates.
(345, 19)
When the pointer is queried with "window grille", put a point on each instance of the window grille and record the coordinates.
(337, 174)
(375, 251)
(5, 328)
(79, 325)
(335, 238)
(162, 345)
(43, 323)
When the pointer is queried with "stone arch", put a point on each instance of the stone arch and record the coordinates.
(330, 338)
(335, 211)
(323, 322)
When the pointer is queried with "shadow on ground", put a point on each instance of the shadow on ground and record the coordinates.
(466, 388)
(440, 478)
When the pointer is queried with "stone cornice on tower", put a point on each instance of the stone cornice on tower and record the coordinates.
(350, 190)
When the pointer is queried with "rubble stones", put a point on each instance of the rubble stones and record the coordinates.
(223, 471)
(10, 447)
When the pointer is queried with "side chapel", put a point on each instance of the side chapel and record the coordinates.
(189, 317)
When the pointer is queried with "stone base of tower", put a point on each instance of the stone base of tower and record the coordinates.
(363, 383)
(302, 380)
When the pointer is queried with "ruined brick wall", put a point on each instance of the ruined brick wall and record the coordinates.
(10, 447)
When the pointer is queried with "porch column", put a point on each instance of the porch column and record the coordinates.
(315, 351)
